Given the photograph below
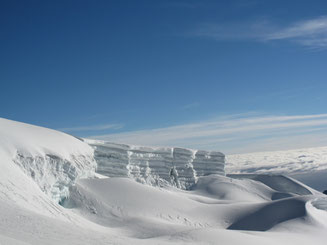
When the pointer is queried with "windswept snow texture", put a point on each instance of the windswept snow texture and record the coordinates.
(156, 166)
(306, 165)
(54, 160)
(216, 209)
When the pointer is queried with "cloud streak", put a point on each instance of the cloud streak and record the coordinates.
(311, 33)
(233, 133)
(92, 128)
(190, 106)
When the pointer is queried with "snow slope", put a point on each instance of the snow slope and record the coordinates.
(216, 206)
(39, 166)
(306, 165)
(156, 166)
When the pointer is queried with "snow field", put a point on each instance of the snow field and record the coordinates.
(42, 167)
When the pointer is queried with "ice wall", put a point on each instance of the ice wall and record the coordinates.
(55, 174)
(156, 166)
(52, 159)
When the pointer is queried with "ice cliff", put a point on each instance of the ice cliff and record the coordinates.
(54, 160)
(156, 166)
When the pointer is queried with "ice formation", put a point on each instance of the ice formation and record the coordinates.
(54, 160)
(156, 166)
(120, 211)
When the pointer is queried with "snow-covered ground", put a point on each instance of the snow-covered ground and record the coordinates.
(41, 168)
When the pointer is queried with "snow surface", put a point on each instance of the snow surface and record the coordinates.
(156, 166)
(235, 209)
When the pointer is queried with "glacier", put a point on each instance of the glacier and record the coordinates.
(59, 189)
(55, 160)
(158, 166)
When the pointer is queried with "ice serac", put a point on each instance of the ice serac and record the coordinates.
(156, 165)
(54, 160)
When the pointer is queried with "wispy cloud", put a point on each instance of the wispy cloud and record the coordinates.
(92, 128)
(310, 33)
(190, 106)
(231, 31)
(233, 133)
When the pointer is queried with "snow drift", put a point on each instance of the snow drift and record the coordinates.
(215, 201)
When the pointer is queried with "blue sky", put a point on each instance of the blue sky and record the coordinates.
(169, 72)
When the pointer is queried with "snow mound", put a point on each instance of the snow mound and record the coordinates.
(156, 166)
(277, 182)
(271, 214)
(54, 160)
(225, 188)
(215, 201)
